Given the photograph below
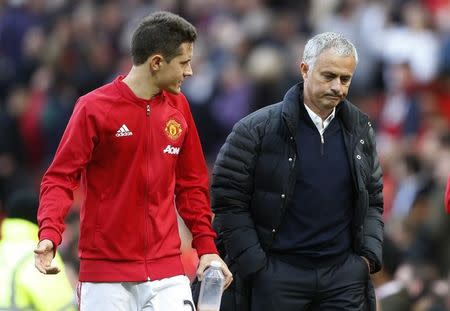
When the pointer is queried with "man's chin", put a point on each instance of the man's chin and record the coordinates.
(330, 104)
(174, 90)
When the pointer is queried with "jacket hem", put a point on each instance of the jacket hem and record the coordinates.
(99, 270)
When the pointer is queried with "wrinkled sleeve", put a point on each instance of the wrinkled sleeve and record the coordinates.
(232, 190)
(373, 223)
(63, 175)
(192, 191)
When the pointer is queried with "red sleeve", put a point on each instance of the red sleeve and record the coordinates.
(63, 175)
(447, 196)
(192, 190)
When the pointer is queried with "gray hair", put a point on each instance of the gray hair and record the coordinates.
(326, 41)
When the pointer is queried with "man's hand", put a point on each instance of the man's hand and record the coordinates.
(43, 256)
(205, 262)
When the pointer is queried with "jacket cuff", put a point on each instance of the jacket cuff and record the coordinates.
(373, 266)
(205, 245)
(52, 235)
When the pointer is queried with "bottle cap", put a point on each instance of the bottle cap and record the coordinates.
(216, 264)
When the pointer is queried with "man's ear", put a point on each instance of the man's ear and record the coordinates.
(304, 68)
(155, 62)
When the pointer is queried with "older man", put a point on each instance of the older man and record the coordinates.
(297, 193)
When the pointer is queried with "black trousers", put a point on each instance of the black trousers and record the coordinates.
(285, 287)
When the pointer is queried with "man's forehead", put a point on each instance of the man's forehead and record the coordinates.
(335, 63)
(187, 47)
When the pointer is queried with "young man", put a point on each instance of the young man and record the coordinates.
(297, 194)
(134, 146)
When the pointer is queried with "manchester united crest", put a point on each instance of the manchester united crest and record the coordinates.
(173, 129)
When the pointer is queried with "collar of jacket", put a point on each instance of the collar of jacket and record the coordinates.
(129, 96)
(290, 110)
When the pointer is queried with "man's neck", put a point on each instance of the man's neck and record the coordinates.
(323, 114)
(140, 82)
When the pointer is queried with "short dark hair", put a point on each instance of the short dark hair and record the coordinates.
(161, 32)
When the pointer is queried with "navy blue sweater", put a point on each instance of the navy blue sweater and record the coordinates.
(318, 226)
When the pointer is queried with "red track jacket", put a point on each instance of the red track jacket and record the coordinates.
(137, 160)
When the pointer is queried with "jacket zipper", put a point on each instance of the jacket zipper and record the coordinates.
(360, 186)
(352, 143)
(291, 183)
(322, 142)
(147, 112)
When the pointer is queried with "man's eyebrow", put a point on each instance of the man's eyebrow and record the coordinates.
(334, 74)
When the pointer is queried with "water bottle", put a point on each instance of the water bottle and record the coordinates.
(211, 288)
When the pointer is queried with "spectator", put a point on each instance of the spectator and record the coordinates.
(22, 286)
(391, 294)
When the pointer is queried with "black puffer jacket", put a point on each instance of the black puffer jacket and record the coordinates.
(254, 179)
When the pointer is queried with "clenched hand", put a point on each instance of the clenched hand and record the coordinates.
(205, 262)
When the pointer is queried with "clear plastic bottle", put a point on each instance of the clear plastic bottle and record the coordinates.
(211, 288)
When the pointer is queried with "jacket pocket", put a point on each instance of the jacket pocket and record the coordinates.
(100, 217)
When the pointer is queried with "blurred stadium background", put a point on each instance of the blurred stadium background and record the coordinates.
(246, 57)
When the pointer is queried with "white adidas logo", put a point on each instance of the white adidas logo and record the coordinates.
(123, 131)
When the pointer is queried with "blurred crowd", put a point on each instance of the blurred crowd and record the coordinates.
(246, 57)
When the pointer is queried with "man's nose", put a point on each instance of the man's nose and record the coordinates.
(188, 71)
(336, 86)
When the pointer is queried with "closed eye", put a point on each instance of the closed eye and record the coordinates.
(328, 77)
(345, 79)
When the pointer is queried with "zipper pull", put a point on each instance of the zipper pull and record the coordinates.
(321, 145)
(148, 110)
